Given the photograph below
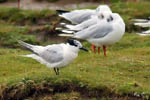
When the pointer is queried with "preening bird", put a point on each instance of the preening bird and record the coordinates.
(104, 32)
(79, 16)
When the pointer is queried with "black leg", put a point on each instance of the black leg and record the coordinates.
(58, 71)
(55, 69)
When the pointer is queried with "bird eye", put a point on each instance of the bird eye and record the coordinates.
(102, 16)
(111, 18)
(108, 20)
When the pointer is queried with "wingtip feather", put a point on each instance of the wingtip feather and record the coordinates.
(61, 11)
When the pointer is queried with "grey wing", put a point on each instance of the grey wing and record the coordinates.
(52, 54)
(147, 24)
(79, 16)
(86, 24)
(95, 31)
(82, 17)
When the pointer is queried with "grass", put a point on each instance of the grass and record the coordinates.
(24, 17)
(125, 70)
(9, 34)
(127, 10)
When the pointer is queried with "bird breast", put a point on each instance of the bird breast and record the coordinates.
(69, 55)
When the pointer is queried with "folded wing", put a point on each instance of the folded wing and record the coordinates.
(95, 31)
(52, 54)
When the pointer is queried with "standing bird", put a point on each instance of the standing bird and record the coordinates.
(79, 16)
(92, 21)
(88, 23)
(56, 55)
(105, 32)
(83, 18)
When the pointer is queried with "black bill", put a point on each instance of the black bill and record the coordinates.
(84, 49)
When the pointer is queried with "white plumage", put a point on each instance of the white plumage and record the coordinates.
(143, 23)
(103, 32)
(56, 55)
(79, 16)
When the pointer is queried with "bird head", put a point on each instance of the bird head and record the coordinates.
(105, 16)
(76, 44)
(102, 8)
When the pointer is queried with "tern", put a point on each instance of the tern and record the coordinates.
(55, 55)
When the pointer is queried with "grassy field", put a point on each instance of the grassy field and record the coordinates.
(125, 70)
(124, 73)
(49, 17)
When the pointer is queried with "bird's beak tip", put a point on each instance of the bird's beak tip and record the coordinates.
(84, 49)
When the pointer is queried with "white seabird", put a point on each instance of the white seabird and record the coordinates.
(105, 32)
(56, 55)
(79, 16)
(92, 21)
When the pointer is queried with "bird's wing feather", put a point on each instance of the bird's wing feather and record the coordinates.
(140, 20)
(33, 48)
(147, 24)
(95, 31)
(146, 32)
(52, 54)
(84, 24)
(78, 16)
(62, 11)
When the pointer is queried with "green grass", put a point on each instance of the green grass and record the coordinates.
(126, 69)
(19, 16)
(9, 34)
(127, 10)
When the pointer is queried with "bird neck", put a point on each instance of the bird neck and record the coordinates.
(73, 48)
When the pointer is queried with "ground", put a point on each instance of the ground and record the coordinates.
(125, 70)
(124, 74)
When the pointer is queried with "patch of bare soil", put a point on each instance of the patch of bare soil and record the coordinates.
(76, 96)
(30, 90)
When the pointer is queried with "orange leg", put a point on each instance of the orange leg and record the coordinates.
(99, 50)
(93, 48)
(18, 3)
(104, 49)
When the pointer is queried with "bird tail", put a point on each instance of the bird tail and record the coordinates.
(27, 46)
(141, 24)
(68, 31)
(66, 25)
(63, 24)
(36, 57)
(66, 35)
(69, 26)
(60, 12)
(30, 55)
(146, 32)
